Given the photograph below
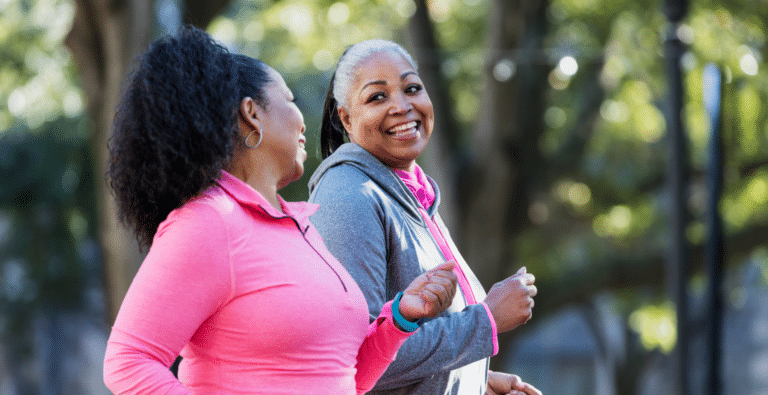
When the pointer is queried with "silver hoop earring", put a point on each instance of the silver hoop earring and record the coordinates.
(249, 136)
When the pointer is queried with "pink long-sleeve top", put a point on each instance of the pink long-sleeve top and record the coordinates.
(252, 300)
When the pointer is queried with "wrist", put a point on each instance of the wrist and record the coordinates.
(401, 322)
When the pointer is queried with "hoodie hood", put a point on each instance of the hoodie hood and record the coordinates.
(351, 154)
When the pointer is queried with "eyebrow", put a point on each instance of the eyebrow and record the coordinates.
(382, 82)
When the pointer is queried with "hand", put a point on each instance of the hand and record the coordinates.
(429, 294)
(511, 300)
(508, 384)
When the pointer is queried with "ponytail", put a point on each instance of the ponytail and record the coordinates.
(332, 133)
(175, 127)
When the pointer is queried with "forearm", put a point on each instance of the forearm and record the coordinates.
(378, 349)
(132, 367)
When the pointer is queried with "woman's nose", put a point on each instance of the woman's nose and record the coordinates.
(400, 105)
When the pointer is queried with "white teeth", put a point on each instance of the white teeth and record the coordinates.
(403, 127)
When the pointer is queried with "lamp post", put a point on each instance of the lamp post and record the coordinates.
(712, 84)
(677, 265)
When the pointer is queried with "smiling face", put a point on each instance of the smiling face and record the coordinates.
(388, 111)
(283, 126)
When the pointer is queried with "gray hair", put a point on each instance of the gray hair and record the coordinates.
(349, 62)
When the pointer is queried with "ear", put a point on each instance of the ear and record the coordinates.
(345, 121)
(249, 117)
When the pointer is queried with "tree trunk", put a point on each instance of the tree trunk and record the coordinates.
(106, 37)
(505, 151)
(507, 161)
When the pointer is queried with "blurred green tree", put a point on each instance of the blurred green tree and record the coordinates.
(550, 143)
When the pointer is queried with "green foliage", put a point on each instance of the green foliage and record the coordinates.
(618, 186)
(597, 203)
(47, 205)
(47, 251)
(37, 80)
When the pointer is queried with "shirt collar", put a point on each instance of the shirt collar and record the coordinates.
(247, 196)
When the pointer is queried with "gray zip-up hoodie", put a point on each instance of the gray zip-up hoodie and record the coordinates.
(370, 222)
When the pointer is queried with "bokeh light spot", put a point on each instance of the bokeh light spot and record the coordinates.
(338, 13)
(504, 70)
(568, 65)
(748, 64)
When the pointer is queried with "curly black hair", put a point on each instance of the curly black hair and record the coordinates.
(176, 126)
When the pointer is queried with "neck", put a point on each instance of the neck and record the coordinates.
(269, 192)
(263, 182)
(409, 166)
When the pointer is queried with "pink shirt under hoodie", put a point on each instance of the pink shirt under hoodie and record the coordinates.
(252, 300)
(421, 188)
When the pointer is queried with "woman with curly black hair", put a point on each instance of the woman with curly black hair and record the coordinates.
(236, 280)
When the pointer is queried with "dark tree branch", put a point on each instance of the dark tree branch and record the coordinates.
(749, 169)
(572, 151)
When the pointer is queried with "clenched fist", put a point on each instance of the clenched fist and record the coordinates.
(511, 300)
(429, 294)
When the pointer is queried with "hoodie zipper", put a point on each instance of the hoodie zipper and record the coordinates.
(304, 235)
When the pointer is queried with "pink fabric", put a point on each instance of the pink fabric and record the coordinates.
(495, 330)
(252, 300)
(420, 186)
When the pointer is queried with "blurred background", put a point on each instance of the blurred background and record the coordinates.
(558, 147)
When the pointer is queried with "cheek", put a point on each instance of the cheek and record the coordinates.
(427, 109)
(364, 130)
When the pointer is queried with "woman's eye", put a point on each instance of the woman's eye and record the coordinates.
(413, 88)
(375, 97)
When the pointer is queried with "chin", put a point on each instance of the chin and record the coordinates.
(298, 173)
(411, 154)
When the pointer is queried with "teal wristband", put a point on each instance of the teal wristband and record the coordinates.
(407, 326)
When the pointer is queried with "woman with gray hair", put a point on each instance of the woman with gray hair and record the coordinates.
(379, 216)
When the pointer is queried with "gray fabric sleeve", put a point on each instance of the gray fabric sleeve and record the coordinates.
(353, 224)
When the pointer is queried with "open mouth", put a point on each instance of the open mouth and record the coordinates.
(405, 130)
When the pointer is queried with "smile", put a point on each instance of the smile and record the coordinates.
(405, 130)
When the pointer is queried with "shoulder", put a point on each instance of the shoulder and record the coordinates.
(347, 198)
(202, 217)
(346, 183)
(342, 174)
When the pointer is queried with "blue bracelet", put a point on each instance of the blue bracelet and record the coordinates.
(407, 326)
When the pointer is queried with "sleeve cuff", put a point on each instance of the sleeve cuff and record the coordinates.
(387, 322)
(495, 334)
